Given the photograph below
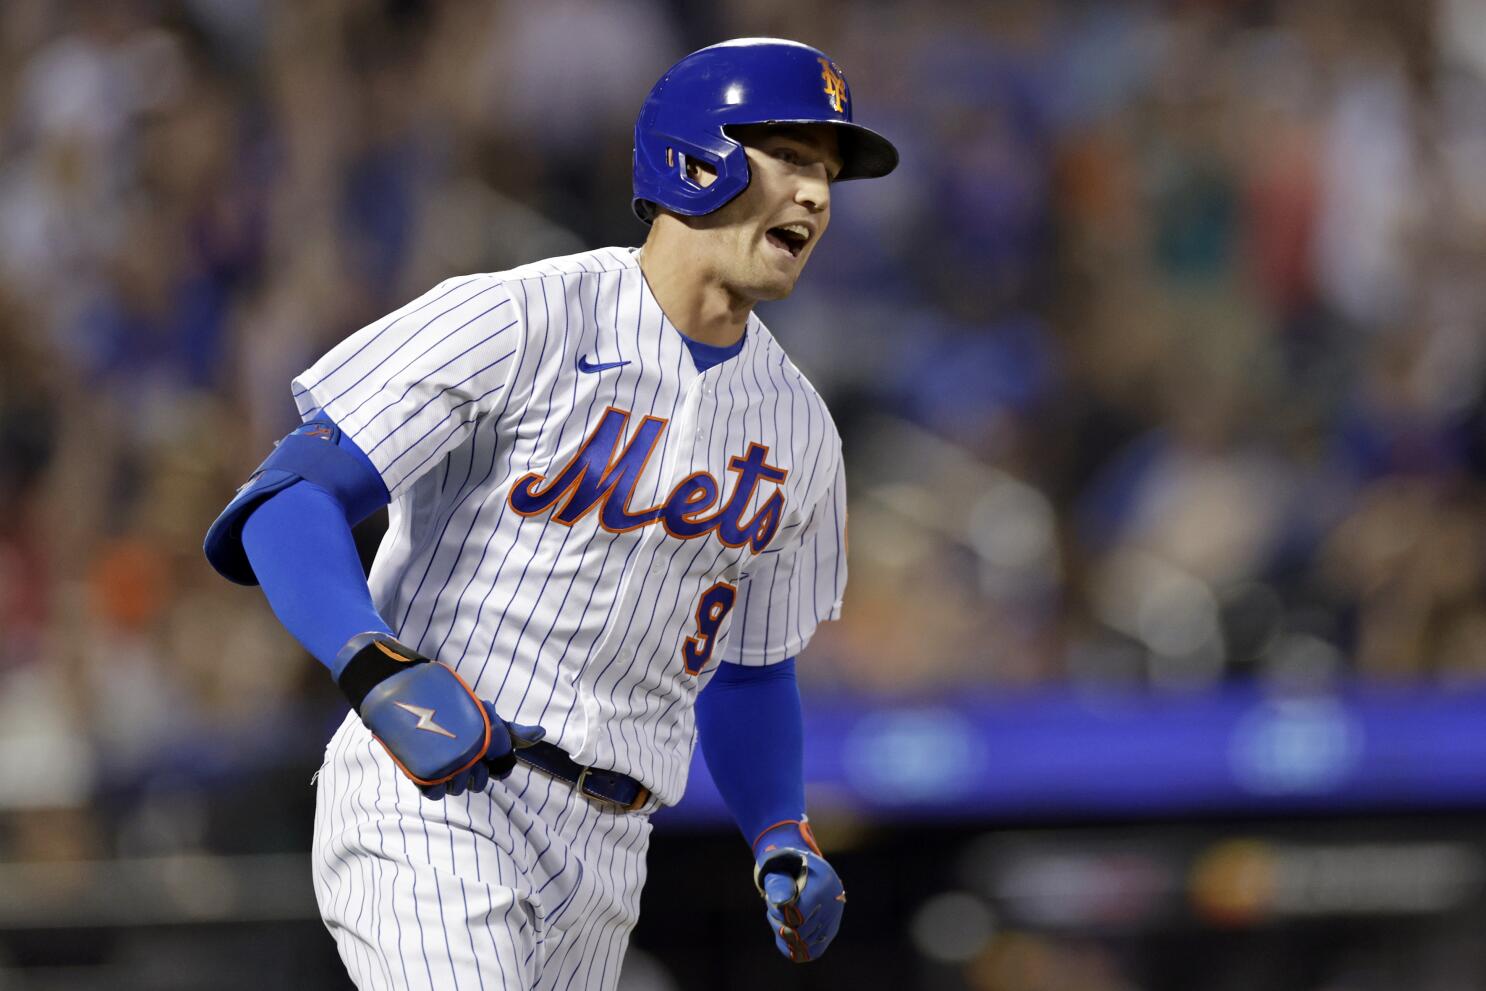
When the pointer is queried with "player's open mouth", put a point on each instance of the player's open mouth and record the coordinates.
(789, 237)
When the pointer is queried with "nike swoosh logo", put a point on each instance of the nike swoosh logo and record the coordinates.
(425, 719)
(584, 365)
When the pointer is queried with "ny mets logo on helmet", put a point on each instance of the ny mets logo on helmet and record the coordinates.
(595, 477)
(835, 84)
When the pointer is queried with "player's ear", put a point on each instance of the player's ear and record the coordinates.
(700, 173)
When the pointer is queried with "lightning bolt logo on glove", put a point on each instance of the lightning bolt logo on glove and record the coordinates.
(386, 682)
(425, 719)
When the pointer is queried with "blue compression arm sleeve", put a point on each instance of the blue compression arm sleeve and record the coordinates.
(752, 735)
(302, 551)
(300, 545)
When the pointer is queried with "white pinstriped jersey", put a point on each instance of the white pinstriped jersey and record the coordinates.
(582, 524)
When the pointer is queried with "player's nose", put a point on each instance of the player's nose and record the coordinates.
(813, 191)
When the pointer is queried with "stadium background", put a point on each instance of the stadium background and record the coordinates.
(1159, 366)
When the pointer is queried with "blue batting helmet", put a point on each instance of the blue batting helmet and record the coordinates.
(744, 81)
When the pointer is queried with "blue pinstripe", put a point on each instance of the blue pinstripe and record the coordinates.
(662, 649)
(438, 891)
(440, 543)
(379, 877)
(634, 545)
(438, 450)
(608, 545)
(360, 792)
(391, 321)
(494, 583)
(485, 549)
(412, 414)
(469, 933)
(351, 414)
(541, 535)
(558, 613)
(667, 653)
(666, 440)
(392, 892)
(365, 375)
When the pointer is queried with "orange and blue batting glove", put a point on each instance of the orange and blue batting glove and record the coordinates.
(435, 729)
(804, 895)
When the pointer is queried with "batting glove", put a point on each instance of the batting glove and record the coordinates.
(804, 895)
(437, 732)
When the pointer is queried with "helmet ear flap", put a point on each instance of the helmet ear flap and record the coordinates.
(663, 173)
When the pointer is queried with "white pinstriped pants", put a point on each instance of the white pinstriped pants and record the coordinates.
(527, 886)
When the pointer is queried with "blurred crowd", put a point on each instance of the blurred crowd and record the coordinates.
(1158, 362)
(1176, 347)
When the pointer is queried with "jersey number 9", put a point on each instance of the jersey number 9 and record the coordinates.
(712, 609)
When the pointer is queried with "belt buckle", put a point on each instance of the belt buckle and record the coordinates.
(641, 797)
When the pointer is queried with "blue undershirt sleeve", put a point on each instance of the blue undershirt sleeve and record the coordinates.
(751, 730)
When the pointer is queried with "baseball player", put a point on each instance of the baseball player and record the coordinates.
(616, 514)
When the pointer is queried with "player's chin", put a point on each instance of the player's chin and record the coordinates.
(777, 284)
(774, 290)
